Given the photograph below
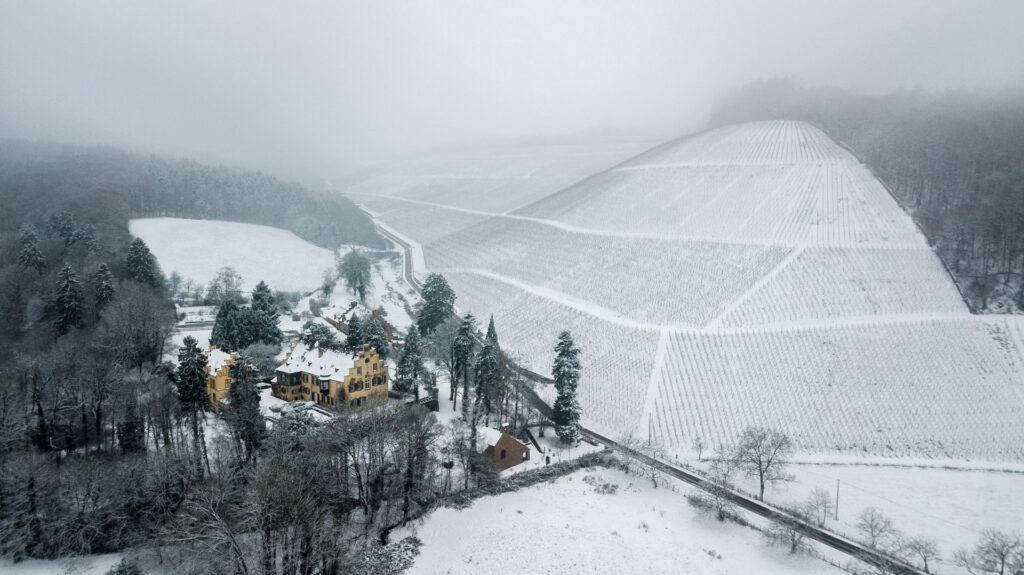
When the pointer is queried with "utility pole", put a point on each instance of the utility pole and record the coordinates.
(837, 500)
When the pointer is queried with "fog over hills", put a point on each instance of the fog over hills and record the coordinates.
(325, 88)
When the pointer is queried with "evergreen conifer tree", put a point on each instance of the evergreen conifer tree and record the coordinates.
(63, 225)
(438, 303)
(89, 238)
(67, 301)
(243, 413)
(462, 354)
(492, 334)
(190, 380)
(103, 286)
(354, 339)
(141, 264)
(319, 335)
(227, 326)
(265, 315)
(191, 375)
(376, 337)
(410, 365)
(566, 372)
(30, 257)
(486, 369)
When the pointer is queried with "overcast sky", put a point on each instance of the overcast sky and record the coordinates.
(320, 88)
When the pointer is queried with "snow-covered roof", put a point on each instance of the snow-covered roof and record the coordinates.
(326, 363)
(216, 359)
(486, 437)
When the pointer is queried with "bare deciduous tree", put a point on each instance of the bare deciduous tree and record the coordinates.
(819, 506)
(764, 453)
(878, 530)
(925, 550)
(997, 552)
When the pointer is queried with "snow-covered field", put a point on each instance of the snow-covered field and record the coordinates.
(81, 565)
(938, 387)
(950, 506)
(567, 526)
(197, 249)
(754, 274)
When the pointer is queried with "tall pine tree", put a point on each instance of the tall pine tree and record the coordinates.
(410, 365)
(67, 301)
(30, 257)
(566, 372)
(265, 316)
(141, 264)
(190, 380)
(102, 286)
(243, 413)
(354, 338)
(487, 368)
(438, 303)
(462, 355)
(376, 337)
(227, 326)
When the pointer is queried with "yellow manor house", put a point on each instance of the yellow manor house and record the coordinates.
(218, 380)
(331, 378)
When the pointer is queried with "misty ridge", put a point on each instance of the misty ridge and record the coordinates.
(574, 287)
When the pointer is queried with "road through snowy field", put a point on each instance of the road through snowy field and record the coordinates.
(567, 526)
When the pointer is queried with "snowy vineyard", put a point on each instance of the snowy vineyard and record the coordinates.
(791, 290)
(936, 388)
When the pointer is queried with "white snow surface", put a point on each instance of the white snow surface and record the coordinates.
(566, 526)
(197, 249)
(785, 284)
(77, 565)
(216, 359)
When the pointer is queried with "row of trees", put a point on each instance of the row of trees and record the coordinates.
(490, 383)
(82, 393)
(238, 326)
(126, 185)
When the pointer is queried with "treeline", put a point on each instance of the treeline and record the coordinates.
(35, 177)
(954, 161)
(84, 316)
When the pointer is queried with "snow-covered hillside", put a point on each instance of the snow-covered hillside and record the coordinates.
(196, 249)
(754, 274)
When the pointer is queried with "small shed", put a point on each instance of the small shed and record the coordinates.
(506, 451)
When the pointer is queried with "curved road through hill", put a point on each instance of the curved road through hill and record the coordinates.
(885, 562)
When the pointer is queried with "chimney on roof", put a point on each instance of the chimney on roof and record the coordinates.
(320, 352)
(504, 428)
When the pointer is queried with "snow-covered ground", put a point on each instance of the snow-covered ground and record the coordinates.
(950, 502)
(568, 526)
(81, 565)
(753, 274)
(197, 249)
